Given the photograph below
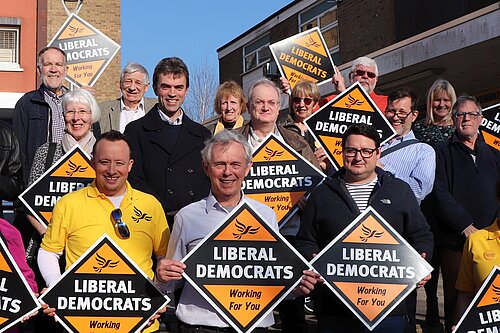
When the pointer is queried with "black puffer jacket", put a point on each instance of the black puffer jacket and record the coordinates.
(11, 175)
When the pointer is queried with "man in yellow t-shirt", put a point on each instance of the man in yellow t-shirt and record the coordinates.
(80, 218)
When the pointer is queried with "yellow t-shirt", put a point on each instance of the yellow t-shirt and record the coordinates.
(481, 253)
(80, 218)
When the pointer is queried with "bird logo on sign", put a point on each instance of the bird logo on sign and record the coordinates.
(368, 233)
(496, 290)
(244, 230)
(75, 168)
(104, 263)
(75, 30)
(312, 42)
(353, 102)
(272, 153)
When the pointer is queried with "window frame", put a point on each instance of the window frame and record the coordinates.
(317, 20)
(258, 45)
(16, 64)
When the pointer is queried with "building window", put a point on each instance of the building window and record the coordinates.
(256, 53)
(9, 47)
(324, 16)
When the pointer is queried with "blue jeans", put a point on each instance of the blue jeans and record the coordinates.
(391, 324)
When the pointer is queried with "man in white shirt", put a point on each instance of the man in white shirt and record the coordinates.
(227, 159)
(132, 105)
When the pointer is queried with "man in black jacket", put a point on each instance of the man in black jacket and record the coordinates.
(166, 144)
(38, 116)
(333, 205)
(11, 176)
(464, 196)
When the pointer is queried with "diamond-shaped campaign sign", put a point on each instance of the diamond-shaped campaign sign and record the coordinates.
(490, 126)
(370, 267)
(279, 177)
(70, 173)
(244, 268)
(352, 106)
(304, 56)
(88, 50)
(483, 314)
(16, 297)
(104, 291)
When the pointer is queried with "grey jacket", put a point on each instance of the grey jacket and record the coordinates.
(110, 113)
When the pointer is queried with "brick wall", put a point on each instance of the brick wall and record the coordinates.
(365, 26)
(285, 29)
(231, 66)
(105, 16)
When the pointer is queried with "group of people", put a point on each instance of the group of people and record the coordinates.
(153, 161)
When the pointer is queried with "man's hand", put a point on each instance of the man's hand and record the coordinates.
(155, 316)
(323, 160)
(47, 310)
(426, 279)
(168, 270)
(338, 81)
(29, 315)
(309, 280)
(285, 86)
(469, 230)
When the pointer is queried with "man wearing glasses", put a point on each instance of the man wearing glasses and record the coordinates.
(334, 204)
(133, 219)
(365, 71)
(132, 105)
(408, 159)
(404, 156)
(263, 107)
(464, 195)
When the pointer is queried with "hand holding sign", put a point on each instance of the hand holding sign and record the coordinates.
(308, 282)
(169, 269)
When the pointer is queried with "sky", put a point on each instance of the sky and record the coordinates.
(191, 30)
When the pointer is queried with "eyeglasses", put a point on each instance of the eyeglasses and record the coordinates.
(365, 152)
(400, 114)
(81, 113)
(361, 72)
(127, 83)
(472, 115)
(120, 226)
(272, 103)
(307, 100)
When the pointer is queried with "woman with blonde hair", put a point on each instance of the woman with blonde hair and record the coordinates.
(438, 125)
(230, 103)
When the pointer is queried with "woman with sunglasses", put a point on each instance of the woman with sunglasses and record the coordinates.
(80, 112)
(230, 102)
(303, 100)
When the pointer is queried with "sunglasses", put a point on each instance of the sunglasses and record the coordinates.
(120, 226)
(307, 101)
(360, 72)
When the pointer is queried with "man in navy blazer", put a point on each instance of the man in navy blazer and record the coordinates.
(166, 144)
